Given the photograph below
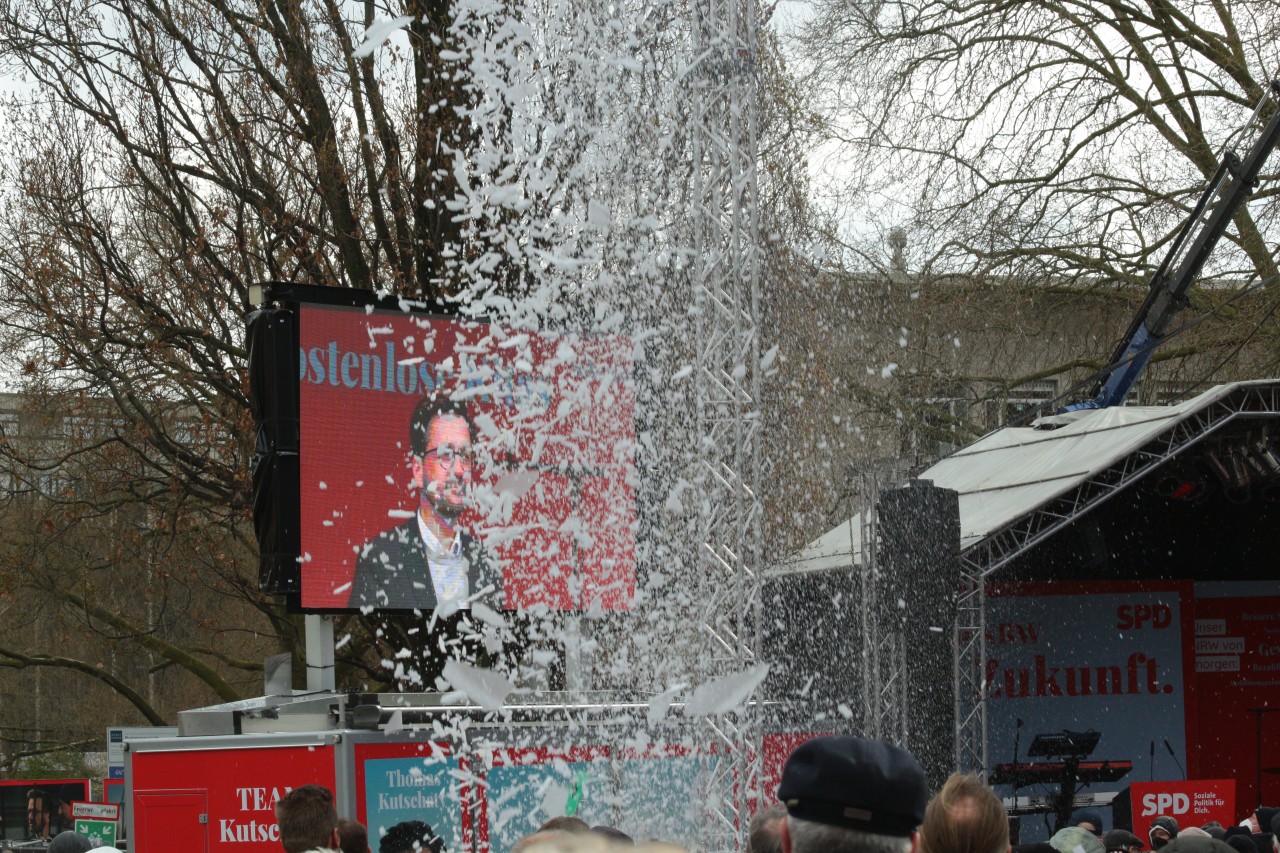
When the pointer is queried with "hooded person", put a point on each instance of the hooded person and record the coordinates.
(1162, 830)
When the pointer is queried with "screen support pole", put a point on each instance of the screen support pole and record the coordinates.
(319, 635)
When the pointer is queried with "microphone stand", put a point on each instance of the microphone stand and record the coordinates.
(1017, 736)
(1174, 756)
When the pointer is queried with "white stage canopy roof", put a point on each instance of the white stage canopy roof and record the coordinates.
(1013, 471)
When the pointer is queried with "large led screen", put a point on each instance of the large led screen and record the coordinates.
(506, 455)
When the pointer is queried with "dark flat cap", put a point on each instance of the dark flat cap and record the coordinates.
(1121, 839)
(856, 783)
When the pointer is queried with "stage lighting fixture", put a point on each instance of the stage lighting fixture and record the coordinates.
(1265, 459)
(1228, 465)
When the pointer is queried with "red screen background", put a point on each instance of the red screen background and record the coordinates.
(555, 475)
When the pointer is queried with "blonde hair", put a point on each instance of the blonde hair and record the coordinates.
(965, 816)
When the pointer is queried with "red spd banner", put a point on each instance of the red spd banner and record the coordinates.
(1194, 802)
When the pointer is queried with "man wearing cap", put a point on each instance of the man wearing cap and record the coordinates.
(849, 794)
(1122, 841)
(1163, 830)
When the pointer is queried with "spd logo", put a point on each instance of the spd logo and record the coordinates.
(1153, 804)
(1136, 616)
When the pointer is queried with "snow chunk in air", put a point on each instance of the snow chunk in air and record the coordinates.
(721, 695)
(381, 30)
(485, 687)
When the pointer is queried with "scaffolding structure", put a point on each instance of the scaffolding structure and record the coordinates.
(884, 650)
(993, 552)
(725, 295)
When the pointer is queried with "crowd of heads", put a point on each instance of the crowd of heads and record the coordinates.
(838, 794)
(853, 795)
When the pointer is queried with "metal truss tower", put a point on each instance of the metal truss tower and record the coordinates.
(883, 685)
(725, 282)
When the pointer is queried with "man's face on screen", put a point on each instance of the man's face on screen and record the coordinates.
(444, 473)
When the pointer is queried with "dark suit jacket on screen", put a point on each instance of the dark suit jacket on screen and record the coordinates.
(392, 572)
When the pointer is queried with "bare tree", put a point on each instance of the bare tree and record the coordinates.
(165, 155)
(1046, 141)
(1001, 180)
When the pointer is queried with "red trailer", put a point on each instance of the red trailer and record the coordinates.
(481, 780)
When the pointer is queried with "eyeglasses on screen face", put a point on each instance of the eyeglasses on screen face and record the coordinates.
(450, 456)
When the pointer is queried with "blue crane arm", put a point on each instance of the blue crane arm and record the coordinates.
(1232, 183)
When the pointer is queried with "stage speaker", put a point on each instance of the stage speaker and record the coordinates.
(917, 581)
(273, 397)
(1121, 813)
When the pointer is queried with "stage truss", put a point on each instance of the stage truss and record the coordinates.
(982, 560)
(884, 660)
(725, 298)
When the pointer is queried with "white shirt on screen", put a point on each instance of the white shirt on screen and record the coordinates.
(448, 566)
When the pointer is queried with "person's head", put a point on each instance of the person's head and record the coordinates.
(1241, 843)
(614, 835)
(543, 838)
(965, 816)
(765, 832)
(1162, 830)
(1090, 820)
(352, 836)
(70, 842)
(1198, 844)
(565, 823)
(1073, 839)
(440, 438)
(68, 793)
(1122, 841)
(846, 793)
(307, 819)
(411, 836)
